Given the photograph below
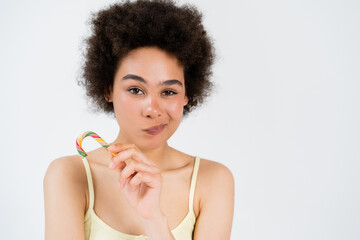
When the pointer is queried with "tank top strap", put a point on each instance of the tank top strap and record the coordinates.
(193, 183)
(90, 183)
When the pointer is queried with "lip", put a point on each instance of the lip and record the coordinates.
(155, 129)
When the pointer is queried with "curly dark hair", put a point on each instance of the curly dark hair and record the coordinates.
(125, 26)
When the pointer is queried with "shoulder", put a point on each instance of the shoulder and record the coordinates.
(66, 171)
(215, 181)
(65, 167)
(214, 174)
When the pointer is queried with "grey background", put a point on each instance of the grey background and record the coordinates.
(284, 118)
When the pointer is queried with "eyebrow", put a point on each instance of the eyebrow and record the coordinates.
(140, 79)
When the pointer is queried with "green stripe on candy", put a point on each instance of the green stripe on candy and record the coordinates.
(89, 133)
(96, 137)
(82, 153)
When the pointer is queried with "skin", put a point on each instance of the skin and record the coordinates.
(141, 190)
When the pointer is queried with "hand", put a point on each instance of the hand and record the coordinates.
(140, 179)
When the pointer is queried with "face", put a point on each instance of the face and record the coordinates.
(148, 97)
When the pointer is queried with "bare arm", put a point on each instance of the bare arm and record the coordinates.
(64, 200)
(216, 204)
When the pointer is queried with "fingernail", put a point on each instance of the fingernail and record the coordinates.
(111, 164)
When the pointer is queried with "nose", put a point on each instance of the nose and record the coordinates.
(151, 108)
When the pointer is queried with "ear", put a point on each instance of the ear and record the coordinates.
(108, 99)
(186, 100)
(108, 96)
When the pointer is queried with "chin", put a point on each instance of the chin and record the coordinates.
(153, 142)
(150, 145)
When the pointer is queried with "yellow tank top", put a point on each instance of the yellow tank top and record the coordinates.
(96, 229)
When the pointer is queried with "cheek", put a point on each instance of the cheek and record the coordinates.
(175, 109)
(125, 107)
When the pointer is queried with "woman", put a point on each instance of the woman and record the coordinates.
(148, 63)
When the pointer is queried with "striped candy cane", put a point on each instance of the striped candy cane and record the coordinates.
(93, 135)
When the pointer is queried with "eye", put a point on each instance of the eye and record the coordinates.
(135, 91)
(169, 92)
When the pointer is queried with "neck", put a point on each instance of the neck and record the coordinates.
(158, 155)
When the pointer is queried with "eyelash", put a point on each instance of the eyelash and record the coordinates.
(133, 88)
(170, 92)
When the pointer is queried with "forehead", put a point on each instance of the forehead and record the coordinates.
(151, 63)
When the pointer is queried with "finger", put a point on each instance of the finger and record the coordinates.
(121, 166)
(130, 153)
(136, 166)
(115, 148)
(134, 182)
(118, 147)
(148, 179)
(122, 182)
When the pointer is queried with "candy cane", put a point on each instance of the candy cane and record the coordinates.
(93, 135)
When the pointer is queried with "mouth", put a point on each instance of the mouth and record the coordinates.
(155, 129)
